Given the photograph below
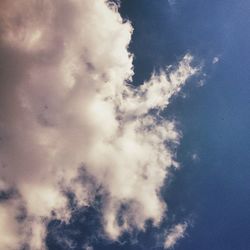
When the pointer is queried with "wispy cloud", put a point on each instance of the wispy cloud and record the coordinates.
(176, 233)
(216, 59)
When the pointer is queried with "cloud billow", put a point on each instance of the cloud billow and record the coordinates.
(67, 106)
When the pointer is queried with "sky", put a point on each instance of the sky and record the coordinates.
(124, 125)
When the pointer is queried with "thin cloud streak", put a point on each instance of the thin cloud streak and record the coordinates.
(176, 233)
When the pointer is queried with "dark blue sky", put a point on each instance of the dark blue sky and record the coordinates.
(212, 191)
(215, 119)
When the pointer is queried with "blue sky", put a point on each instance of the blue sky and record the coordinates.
(102, 147)
(214, 189)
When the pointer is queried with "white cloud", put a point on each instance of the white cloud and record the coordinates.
(66, 103)
(176, 233)
(216, 59)
(10, 228)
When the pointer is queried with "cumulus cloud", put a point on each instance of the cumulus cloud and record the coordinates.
(71, 122)
(176, 233)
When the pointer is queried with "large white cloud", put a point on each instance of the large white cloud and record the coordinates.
(66, 104)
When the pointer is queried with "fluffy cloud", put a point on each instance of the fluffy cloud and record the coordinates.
(176, 233)
(71, 122)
